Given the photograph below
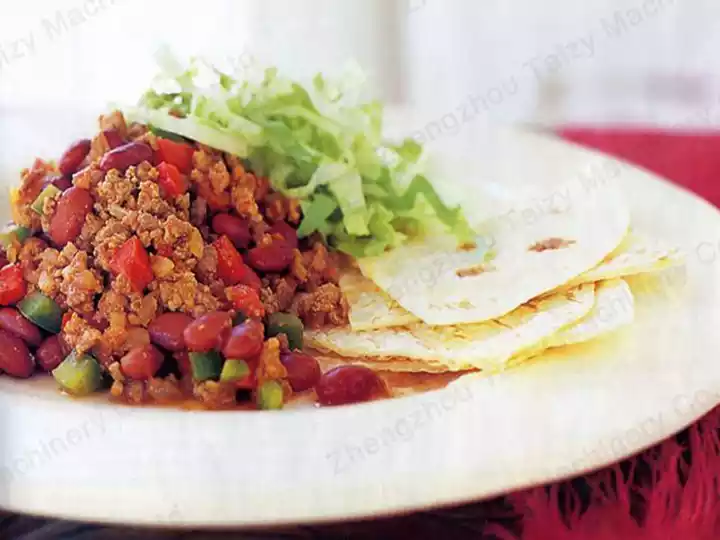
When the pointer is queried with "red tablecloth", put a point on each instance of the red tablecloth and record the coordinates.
(689, 159)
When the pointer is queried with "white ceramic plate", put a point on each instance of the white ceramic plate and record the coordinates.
(561, 415)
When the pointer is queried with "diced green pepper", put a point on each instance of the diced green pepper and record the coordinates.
(269, 396)
(234, 370)
(14, 234)
(288, 324)
(205, 365)
(42, 311)
(49, 192)
(78, 374)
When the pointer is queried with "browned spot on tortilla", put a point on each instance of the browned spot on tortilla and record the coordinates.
(551, 244)
(473, 270)
(467, 246)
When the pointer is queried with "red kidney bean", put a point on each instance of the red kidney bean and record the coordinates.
(67, 221)
(288, 233)
(183, 361)
(303, 370)
(15, 358)
(74, 156)
(167, 331)
(3, 260)
(124, 156)
(349, 384)
(113, 138)
(245, 340)
(60, 182)
(207, 332)
(274, 257)
(235, 228)
(51, 352)
(141, 363)
(13, 321)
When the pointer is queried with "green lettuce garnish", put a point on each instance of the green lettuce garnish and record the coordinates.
(320, 144)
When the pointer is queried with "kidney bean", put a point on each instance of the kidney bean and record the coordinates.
(124, 156)
(235, 228)
(15, 358)
(167, 331)
(3, 260)
(67, 221)
(60, 182)
(141, 363)
(286, 231)
(13, 321)
(274, 257)
(183, 362)
(207, 332)
(74, 156)
(113, 138)
(51, 352)
(349, 384)
(303, 370)
(245, 340)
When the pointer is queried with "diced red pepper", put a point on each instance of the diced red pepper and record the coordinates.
(172, 183)
(12, 284)
(176, 153)
(133, 262)
(217, 202)
(231, 267)
(247, 300)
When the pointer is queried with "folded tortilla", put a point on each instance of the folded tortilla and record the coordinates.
(488, 345)
(442, 284)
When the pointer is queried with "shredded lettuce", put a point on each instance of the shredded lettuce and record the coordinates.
(318, 143)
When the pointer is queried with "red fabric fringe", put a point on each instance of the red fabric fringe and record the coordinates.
(679, 498)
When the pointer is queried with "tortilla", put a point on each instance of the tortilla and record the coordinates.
(370, 307)
(488, 346)
(442, 284)
(614, 308)
(637, 254)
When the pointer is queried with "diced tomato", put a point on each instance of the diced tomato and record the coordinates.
(231, 267)
(176, 153)
(172, 183)
(246, 299)
(133, 262)
(217, 202)
(12, 284)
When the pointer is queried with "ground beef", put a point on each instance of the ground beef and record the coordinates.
(182, 292)
(215, 395)
(326, 305)
(269, 365)
(80, 283)
(80, 335)
(30, 256)
(166, 390)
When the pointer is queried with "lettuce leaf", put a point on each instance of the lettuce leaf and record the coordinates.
(318, 143)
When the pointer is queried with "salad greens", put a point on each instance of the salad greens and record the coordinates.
(316, 143)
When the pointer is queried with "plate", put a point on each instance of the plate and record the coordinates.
(560, 415)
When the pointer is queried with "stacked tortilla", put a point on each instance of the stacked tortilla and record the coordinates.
(522, 287)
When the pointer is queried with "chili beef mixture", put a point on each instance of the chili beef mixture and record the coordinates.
(163, 269)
